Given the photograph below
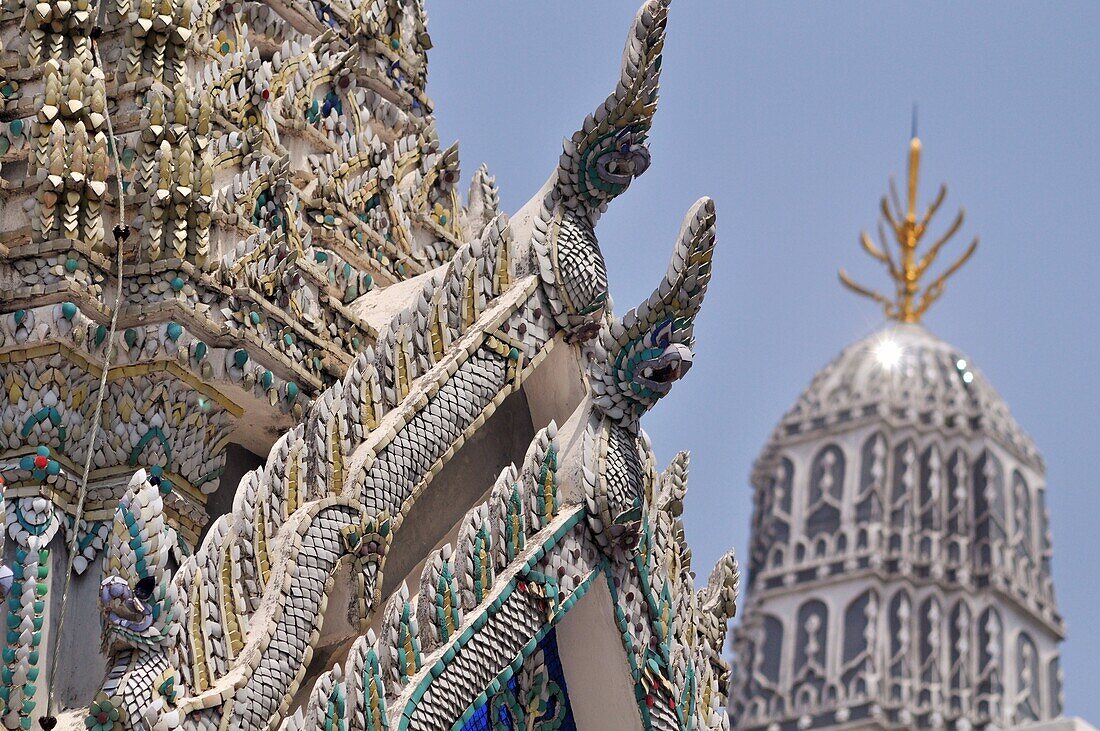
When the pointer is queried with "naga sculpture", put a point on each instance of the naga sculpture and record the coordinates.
(597, 164)
(616, 513)
(371, 573)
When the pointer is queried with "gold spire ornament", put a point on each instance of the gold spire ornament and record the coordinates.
(909, 303)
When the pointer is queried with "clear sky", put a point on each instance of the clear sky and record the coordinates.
(792, 116)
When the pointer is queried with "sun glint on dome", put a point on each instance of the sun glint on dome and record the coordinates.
(905, 375)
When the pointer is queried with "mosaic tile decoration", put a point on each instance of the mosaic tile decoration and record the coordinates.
(542, 705)
(265, 185)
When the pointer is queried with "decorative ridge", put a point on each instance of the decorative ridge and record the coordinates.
(300, 493)
(456, 587)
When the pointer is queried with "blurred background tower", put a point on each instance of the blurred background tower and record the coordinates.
(900, 552)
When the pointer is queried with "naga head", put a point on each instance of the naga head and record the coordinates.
(597, 164)
(128, 607)
(632, 364)
(139, 603)
(367, 544)
(639, 357)
(141, 611)
(621, 157)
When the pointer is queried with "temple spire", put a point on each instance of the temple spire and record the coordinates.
(910, 302)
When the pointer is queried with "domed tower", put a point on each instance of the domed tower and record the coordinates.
(900, 553)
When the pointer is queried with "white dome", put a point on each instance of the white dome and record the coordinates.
(904, 375)
(899, 523)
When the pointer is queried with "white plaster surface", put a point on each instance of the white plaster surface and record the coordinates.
(601, 690)
(1058, 724)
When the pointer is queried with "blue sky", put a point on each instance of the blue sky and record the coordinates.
(792, 116)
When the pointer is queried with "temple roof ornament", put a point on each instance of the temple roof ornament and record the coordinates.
(907, 269)
(305, 282)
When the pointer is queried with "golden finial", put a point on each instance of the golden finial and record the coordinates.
(910, 302)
